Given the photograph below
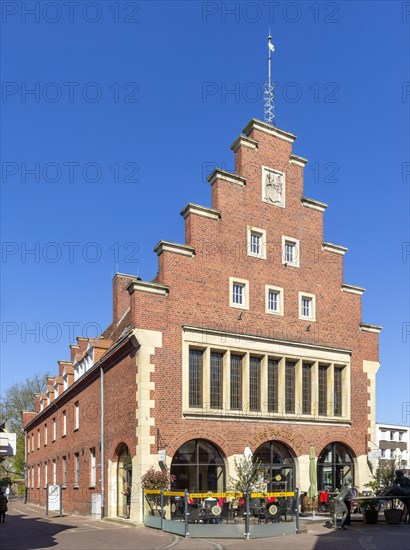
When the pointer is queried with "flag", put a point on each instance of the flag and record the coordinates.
(271, 46)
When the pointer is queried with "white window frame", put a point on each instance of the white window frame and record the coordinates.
(261, 233)
(38, 476)
(45, 474)
(76, 415)
(93, 468)
(38, 438)
(54, 429)
(45, 434)
(64, 465)
(312, 299)
(296, 244)
(54, 472)
(279, 291)
(64, 423)
(245, 293)
(76, 469)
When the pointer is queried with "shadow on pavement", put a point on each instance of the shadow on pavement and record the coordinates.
(21, 532)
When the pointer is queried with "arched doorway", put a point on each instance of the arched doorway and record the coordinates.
(278, 459)
(198, 466)
(124, 475)
(335, 462)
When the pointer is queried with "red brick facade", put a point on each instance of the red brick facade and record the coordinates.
(144, 353)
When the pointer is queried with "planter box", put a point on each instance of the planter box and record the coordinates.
(393, 515)
(370, 516)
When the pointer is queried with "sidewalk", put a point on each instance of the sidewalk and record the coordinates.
(26, 528)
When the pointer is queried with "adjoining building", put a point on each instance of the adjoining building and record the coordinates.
(393, 440)
(248, 336)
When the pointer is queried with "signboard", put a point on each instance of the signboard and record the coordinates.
(54, 496)
(162, 455)
(374, 455)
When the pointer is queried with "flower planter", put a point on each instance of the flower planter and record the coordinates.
(370, 516)
(393, 515)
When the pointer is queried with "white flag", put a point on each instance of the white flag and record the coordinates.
(271, 46)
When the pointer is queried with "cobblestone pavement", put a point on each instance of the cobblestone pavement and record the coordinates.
(26, 528)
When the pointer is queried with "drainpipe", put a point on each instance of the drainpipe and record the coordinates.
(25, 466)
(102, 439)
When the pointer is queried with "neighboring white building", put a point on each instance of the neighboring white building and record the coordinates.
(7, 441)
(394, 442)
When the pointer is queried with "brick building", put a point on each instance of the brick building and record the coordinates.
(248, 336)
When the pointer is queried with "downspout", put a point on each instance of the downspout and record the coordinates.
(102, 440)
(25, 466)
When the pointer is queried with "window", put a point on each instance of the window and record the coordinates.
(323, 389)
(64, 423)
(45, 474)
(76, 470)
(54, 429)
(306, 388)
(400, 436)
(337, 400)
(93, 477)
(45, 435)
(216, 381)
(54, 472)
(195, 378)
(32, 442)
(274, 299)
(391, 436)
(256, 242)
(76, 415)
(64, 471)
(28, 444)
(55, 391)
(307, 306)
(273, 404)
(254, 383)
(38, 438)
(236, 382)
(290, 252)
(290, 386)
(38, 476)
(238, 291)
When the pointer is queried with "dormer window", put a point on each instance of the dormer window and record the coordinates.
(65, 381)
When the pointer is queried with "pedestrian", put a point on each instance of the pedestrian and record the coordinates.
(7, 492)
(341, 501)
(127, 493)
(3, 506)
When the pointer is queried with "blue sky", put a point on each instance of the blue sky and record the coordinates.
(133, 103)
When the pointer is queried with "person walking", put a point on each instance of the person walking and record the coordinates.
(3, 506)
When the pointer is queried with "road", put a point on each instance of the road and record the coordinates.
(26, 528)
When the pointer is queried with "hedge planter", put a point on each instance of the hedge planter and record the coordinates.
(393, 515)
(370, 516)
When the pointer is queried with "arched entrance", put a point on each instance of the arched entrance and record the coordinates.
(335, 462)
(278, 458)
(198, 466)
(124, 475)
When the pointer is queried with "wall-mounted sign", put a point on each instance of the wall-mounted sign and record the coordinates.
(374, 455)
(162, 455)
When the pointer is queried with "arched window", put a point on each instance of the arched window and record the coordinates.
(279, 461)
(335, 462)
(198, 466)
(124, 475)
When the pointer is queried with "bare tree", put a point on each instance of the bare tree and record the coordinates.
(19, 397)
